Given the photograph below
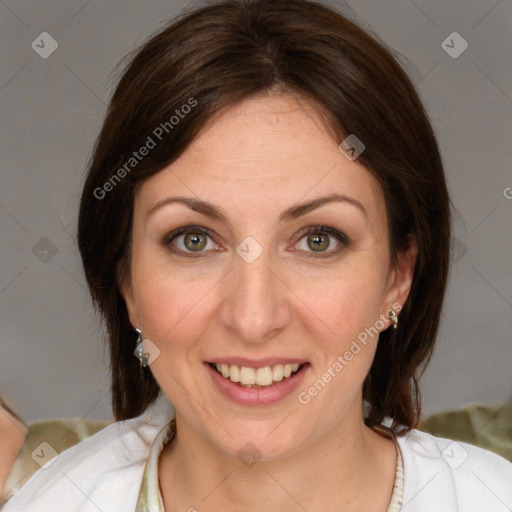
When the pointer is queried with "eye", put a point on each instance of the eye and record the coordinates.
(317, 239)
(188, 240)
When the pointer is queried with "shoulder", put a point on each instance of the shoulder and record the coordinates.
(102, 472)
(443, 474)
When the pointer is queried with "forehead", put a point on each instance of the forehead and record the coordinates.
(277, 130)
(263, 154)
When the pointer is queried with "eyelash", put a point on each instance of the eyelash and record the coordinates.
(311, 230)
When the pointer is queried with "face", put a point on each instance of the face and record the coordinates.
(258, 283)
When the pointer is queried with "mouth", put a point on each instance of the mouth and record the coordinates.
(258, 378)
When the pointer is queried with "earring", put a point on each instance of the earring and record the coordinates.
(140, 349)
(394, 319)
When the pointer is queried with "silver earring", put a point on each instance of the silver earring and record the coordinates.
(394, 319)
(140, 349)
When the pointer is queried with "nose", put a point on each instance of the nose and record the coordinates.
(256, 304)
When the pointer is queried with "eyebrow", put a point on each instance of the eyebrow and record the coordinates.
(216, 213)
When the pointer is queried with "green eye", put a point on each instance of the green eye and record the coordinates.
(195, 241)
(188, 240)
(318, 240)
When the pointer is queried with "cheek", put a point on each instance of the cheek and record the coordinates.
(171, 305)
(343, 306)
(346, 339)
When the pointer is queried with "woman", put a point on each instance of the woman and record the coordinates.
(265, 227)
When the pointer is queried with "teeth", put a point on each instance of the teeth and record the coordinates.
(264, 376)
(249, 377)
(234, 373)
(278, 372)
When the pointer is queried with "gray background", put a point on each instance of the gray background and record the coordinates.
(52, 360)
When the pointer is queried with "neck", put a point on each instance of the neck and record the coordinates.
(338, 468)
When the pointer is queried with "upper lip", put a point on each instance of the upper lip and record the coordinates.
(255, 363)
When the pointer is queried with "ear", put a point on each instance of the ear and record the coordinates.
(126, 290)
(400, 279)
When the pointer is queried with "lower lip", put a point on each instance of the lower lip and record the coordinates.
(257, 396)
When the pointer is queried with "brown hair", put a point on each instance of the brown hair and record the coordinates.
(218, 55)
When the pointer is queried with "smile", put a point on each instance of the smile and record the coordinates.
(256, 377)
(256, 382)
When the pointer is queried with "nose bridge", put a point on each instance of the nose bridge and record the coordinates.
(255, 303)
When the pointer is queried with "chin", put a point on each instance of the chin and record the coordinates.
(260, 440)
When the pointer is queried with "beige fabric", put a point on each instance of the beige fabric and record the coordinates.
(398, 489)
(395, 504)
(59, 434)
(487, 426)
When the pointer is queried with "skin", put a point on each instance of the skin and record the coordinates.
(12, 437)
(254, 161)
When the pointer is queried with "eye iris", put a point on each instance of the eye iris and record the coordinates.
(319, 241)
(197, 241)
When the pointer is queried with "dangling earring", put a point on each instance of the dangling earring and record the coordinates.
(394, 319)
(139, 349)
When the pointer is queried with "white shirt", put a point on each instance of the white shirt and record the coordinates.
(104, 473)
